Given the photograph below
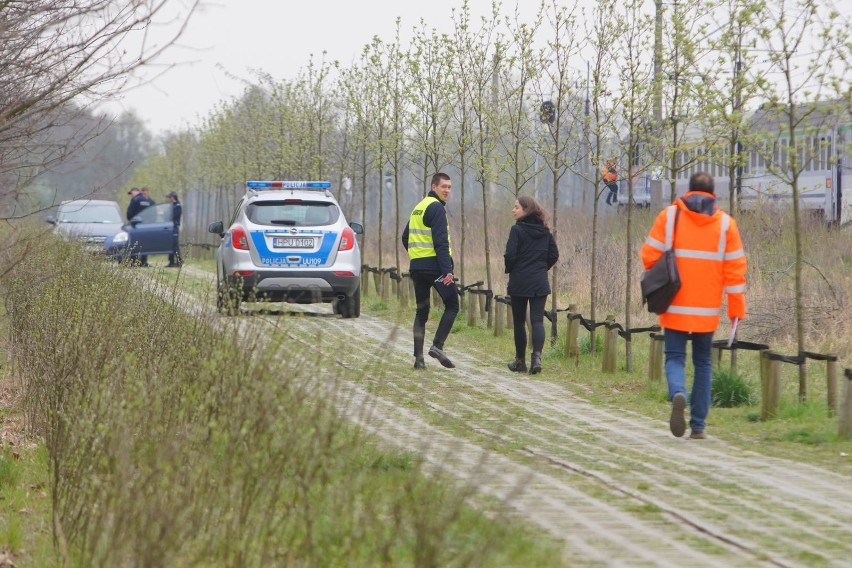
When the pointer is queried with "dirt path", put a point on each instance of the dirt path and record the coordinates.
(614, 486)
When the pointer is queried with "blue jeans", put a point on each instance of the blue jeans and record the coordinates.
(702, 344)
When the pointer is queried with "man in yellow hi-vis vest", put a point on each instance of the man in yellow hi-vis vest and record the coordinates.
(427, 239)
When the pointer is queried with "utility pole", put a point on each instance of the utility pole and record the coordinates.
(657, 127)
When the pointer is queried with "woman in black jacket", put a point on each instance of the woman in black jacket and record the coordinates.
(530, 252)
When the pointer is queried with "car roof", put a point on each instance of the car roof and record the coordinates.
(81, 202)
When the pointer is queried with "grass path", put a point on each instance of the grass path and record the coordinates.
(614, 486)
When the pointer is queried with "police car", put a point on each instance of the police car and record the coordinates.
(288, 241)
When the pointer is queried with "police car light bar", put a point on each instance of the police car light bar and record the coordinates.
(288, 184)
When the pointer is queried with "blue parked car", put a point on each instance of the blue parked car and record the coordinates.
(149, 232)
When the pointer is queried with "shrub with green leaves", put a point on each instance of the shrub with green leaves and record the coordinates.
(731, 389)
(175, 440)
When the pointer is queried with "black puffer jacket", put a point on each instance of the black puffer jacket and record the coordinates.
(530, 252)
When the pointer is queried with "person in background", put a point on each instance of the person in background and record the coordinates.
(133, 207)
(427, 239)
(146, 197)
(610, 179)
(138, 202)
(175, 258)
(711, 262)
(530, 253)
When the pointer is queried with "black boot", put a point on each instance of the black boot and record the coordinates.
(535, 363)
(518, 366)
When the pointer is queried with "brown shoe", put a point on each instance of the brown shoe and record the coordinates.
(697, 435)
(677, 422)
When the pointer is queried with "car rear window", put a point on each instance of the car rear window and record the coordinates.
(293, 213)
(89, 213)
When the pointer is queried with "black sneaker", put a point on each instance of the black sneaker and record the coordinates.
(419, 363)
(517, 366)
(677, 422)
(441, 357)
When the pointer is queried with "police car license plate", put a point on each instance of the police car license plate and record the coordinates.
(293, 242)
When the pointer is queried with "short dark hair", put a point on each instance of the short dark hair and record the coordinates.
(437, 178)
(701, 181)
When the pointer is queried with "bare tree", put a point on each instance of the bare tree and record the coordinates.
(635, 105)
(803, 46)
(57, 52)
(556, 83)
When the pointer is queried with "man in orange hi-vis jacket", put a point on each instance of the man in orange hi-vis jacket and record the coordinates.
(711, 262)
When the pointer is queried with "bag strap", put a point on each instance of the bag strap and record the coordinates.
(671, 225)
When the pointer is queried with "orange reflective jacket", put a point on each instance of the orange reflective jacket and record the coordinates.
(710, 259)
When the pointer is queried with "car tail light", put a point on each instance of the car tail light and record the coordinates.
(239, 240)
(343, 273)
(243, 272)
(347, 241)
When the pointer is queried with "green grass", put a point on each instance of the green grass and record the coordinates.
(730, 388)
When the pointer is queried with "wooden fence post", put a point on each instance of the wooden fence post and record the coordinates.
(656, 360)
(481, 298)
(403, 291)
(386, 286)
(610, 346)
(572, 335)
(472, 309)
(498, 317)
(733, 360)
(365, 281)
(510, 319)
(831, 384)
(716, 359)
(377, 280)
(772, 388)
(844, 429)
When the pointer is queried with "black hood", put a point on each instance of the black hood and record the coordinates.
(533, 227)
(700, 202)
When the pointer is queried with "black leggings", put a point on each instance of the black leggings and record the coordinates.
(519, 319)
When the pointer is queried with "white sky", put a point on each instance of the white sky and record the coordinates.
(227, 39)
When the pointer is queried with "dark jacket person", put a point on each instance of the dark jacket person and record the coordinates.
(530, 252)
(427, 239)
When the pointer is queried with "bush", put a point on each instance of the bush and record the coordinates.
(586, 342)
(731, 389)
(172, 443)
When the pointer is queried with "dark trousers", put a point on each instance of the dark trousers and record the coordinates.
(423, 281)
(519, 323)
(612, 197)
(175, 257)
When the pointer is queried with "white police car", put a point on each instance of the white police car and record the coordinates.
(289, 241)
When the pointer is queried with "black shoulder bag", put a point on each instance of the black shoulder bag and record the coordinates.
(661, 282)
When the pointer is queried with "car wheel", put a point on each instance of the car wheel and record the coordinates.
(227, 298)
(350, 307)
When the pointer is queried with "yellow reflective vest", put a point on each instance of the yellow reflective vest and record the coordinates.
(420, 244)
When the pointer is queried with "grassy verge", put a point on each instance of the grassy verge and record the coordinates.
(161, 440)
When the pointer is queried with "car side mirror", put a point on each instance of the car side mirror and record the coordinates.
(216, 227)
(50, 219)
(357, 228)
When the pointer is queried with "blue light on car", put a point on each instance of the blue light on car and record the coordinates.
(288, 184)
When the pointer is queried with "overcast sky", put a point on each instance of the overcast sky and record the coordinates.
(227, 39)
